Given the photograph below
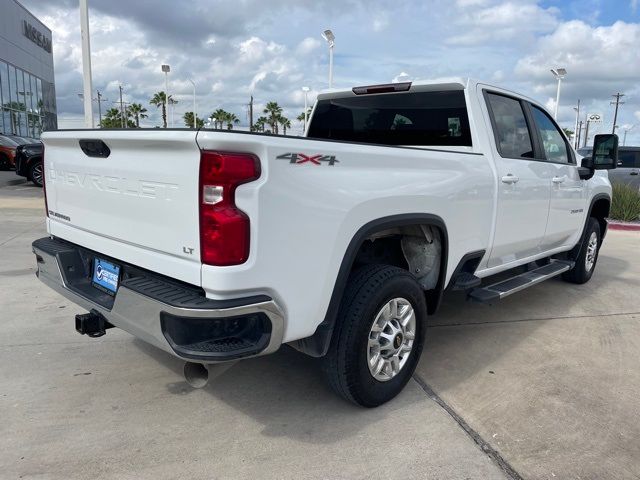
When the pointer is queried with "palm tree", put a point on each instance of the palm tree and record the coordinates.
(188, 120)
(285, 122)
(230, 119)
(300, 117)
(113, 119)
(274, 111)
(138, 112)
(159, 99)
(260, 124)
(219, 117)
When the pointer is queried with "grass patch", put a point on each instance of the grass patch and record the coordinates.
(625, 204)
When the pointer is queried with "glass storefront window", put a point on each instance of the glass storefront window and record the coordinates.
(39, 96)
(13, 96)
(24, 107)
(4, 82)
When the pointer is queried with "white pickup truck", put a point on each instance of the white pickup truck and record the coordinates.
(220, 245)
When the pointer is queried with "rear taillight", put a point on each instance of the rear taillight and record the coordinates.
(44, 184)
(224, 228)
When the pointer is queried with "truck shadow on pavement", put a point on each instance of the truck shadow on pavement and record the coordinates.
(286, 393)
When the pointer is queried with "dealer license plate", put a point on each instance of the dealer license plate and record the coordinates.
(106, 275)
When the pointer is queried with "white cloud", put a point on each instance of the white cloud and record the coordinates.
(401, 77)
(506, 21)
(308, 45)
(380, 22)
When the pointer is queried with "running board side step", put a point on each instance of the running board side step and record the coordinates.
(500, 290)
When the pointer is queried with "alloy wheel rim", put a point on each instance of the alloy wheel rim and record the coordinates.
(391, 339)
(592, 251)
(37, 173)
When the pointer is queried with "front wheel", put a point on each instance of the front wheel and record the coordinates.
(588, 256)
(378, 337)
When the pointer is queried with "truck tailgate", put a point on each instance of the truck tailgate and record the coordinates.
(139, 204)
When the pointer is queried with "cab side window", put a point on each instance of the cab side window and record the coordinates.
(510, 127)
(553, 142)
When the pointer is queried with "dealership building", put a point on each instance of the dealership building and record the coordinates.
(27, 85)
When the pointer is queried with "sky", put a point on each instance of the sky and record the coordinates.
(270, 49)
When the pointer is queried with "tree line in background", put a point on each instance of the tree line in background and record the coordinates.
(273, 121)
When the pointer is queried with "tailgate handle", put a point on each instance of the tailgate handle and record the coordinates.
(95, 148)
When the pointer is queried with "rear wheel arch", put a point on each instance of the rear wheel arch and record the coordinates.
(318, 344)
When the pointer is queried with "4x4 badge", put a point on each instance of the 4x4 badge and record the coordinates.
(300, 158)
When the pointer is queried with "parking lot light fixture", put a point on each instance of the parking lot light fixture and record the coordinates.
(166, 69)
(331, 41)
(306, 119)
(559, 73)
(195, 123)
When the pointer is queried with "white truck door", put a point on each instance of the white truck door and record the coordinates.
(524, 183)
(568, 194)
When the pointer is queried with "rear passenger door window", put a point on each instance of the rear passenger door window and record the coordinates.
(510, 127)
(553, 142)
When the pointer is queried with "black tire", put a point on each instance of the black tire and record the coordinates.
(345, 365)
(4, 162)
(581, 272)
(36, 173)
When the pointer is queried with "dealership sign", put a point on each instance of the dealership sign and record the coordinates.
(36, 36)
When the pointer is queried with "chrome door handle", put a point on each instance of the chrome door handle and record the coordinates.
(510, 179)
(557, 180)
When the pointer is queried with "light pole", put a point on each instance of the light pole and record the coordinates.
(98, 99)
(306, 91)
(86, 64)
(166, 69)
(331, 41)
(575, 134)
(195, 123)
(559, 73)
(626, 128)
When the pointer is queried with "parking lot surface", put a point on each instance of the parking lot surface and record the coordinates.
(543, 385)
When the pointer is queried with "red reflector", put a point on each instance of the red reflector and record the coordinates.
(224, 228)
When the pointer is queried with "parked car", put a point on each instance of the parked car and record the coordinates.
(21, 140)
(7, 152)
(29, 162)
(339, 244)
(628, 170)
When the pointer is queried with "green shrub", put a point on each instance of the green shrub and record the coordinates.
(625, 204)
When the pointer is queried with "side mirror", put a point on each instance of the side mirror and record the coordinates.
(605, 152)
(586, 170)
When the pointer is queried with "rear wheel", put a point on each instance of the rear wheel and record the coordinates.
(378, 337)
(4, 162)
(586, 260)
(36, 173)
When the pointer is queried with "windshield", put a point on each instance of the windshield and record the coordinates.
(418, 119)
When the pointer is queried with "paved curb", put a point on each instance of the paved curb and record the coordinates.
(629, 227)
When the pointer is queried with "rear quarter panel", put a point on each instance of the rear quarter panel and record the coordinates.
(304, 215)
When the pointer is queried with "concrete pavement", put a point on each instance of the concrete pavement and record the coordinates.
(116, 408)
(546, 382)
(550, 377)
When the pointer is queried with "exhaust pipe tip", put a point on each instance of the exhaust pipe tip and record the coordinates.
(196, 374)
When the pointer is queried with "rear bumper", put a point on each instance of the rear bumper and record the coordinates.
(171, 315)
